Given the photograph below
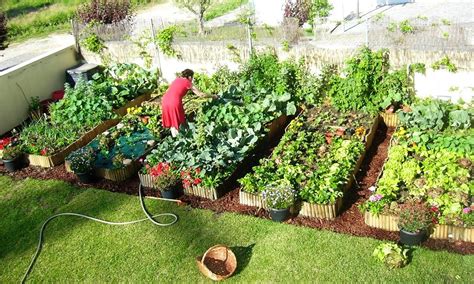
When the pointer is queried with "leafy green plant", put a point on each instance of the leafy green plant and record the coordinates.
(319, 9)
(406, 27)
(93, 43)
(392, 255)
(164, 39)
(285, 46)
(418, 67)
(82, 160)
(11, 152)
(444, 62)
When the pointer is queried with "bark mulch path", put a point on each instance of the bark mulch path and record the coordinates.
(350, 221)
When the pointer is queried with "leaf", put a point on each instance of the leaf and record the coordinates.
(290, 108)
(284, 98)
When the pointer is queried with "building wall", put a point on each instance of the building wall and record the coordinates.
(39, 76)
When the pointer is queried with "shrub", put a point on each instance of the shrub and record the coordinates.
(297, 9)
(105, 11)
(3, 30)
(82, 160)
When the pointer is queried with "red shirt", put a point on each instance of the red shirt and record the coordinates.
(172, 103)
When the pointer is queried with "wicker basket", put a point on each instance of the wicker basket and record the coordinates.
(221, 253)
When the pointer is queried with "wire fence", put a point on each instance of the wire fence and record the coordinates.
(420, 34)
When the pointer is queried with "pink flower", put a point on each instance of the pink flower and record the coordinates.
(375, 197)
(466, 210)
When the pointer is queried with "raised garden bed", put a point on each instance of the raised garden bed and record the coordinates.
(430, 161)
(119, 148)
(86, 107)
(274, 129)
(440, 231)
(56, 159)
(323, 121)
(50, 161)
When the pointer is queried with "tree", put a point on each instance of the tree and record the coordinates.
(198, 8)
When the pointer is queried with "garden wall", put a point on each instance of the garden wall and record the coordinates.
(39, 76)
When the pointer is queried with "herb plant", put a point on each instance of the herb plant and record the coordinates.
(392, 255)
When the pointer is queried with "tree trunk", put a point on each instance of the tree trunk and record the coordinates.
(201, 23)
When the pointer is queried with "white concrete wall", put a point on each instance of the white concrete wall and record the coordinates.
(39, 76)
(445, 85)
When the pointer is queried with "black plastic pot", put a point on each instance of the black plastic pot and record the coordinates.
(412, 239)
(279, 215)
(12, 165)
(172, 193)
(85, 177)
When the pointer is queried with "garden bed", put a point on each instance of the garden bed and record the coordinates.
(390, 119)
(326, 211)
(440, 231)
(275, 128)
(58, 158)
(430, 162)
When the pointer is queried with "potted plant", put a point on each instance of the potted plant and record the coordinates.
(12, 158)
(279, 198)
(414, 221)
(82, 163)
(166, 180)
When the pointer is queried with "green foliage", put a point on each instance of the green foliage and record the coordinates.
(279, 195)
(223, 7)
(444, 62)
(142, 42)
(368, 84)
(285, 46)
(418, 67)
(392, 255)
(82, 160)
(318, 170)
(319, 9)
(224, 131)
(164, 39)
(86, 105)
(93, 43)
(430, 161)
(406, 27)
(11, 152)
(415, 217)
(46, 138)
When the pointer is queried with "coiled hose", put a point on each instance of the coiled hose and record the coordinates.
(142, 204)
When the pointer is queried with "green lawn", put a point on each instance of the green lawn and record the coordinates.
(80, 250)
(34, 18)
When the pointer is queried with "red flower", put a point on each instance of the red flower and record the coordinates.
(197, 181)
(44, 152)
(434, 209)
(198, 170)
(4, 142)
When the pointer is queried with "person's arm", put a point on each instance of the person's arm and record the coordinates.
(201, 94)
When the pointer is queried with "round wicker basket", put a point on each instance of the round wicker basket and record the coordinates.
(221, 254)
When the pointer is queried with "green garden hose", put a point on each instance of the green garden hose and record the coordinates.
(142, 203)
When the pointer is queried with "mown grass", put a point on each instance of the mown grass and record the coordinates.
(33, 18)
(223, 7)
(80, 250)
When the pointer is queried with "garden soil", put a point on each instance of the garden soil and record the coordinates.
(350, 221)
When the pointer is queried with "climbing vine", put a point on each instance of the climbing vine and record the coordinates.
(164, 40)
(444, 62)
